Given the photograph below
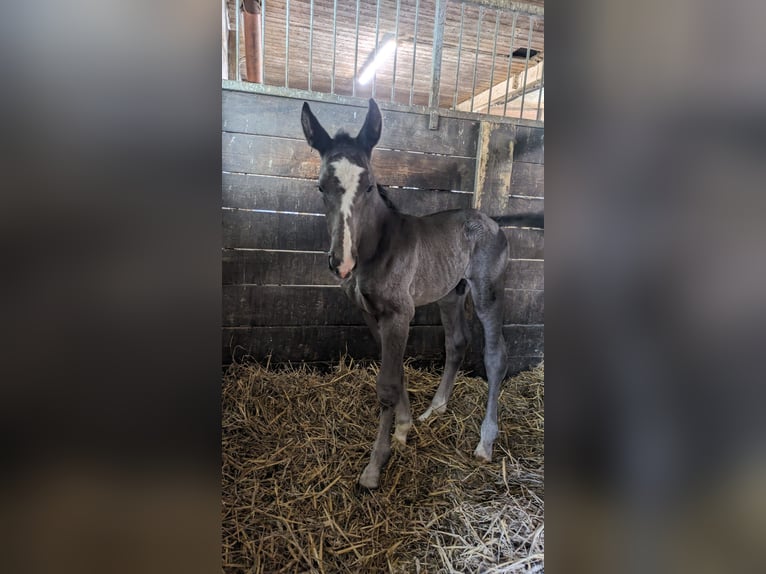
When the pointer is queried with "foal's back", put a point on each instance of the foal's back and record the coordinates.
(446, 246)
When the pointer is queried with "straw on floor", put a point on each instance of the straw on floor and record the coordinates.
(295, 441)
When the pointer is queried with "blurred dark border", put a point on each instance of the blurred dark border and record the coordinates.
(655, 306)
(110, 408)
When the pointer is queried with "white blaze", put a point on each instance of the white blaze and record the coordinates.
(348, 174)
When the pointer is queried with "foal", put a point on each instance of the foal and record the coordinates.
(390, 263)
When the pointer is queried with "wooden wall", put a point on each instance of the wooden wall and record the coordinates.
(279, 297)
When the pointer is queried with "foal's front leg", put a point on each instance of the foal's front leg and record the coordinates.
(391, 394)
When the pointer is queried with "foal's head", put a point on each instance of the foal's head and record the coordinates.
(346, 182)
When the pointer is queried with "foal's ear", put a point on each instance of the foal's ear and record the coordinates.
(370, 132)
(313, 130)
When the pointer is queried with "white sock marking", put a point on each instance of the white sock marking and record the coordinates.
(348, 174)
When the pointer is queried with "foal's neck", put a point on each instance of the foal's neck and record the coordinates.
(378, 229)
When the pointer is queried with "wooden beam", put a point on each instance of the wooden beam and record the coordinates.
(253, 56)
(516, 83)
(511, 5)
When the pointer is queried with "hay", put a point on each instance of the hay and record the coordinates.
(295, 441)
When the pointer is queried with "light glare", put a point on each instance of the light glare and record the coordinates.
(384, 52)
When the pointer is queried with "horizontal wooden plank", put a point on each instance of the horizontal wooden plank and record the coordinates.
(524, 205)
(264, 155)
(328, 343)
(296, 268)
(525, 243)
(524, 307)
(529, 145)
(251, 229)
(525, 274)
(276, 268)
(255, 305)
(247, 191)
(261, 114)
(528, 179)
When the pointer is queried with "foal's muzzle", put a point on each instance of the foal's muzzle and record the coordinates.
(335, 265)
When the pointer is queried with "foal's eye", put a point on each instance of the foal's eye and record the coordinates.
(319, 187)
(369, 189)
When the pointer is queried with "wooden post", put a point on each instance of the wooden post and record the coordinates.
(494, 167)
(253, 33)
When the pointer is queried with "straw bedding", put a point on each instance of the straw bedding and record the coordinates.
(295, 441)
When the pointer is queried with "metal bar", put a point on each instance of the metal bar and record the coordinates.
(459, 51)
(510, 61)
(494, 53)
(236, 15)
(311, 40)
(263, 40)
(287, 43)
(440, 17)
(356, 51)
(334, 42)
(414, 48)
(476, 59)
(540, 92)
(396, 52)
(377, 31)
(526, 68)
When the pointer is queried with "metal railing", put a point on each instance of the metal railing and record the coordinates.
(473, 56)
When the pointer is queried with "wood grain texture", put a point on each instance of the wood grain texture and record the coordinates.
(247, 191)
(525, 274)
(525, 243)
(530, 145)
(264, 306)
(528, 179)
(296, 268)
(260, 114)
(328, 343)
(265, 155)
(274, 231)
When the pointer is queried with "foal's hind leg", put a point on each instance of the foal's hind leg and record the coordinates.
(456, 338)
(488, 300)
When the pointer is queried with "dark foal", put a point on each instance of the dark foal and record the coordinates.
(390, 263)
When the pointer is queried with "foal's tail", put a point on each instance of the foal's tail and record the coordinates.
(536, 220)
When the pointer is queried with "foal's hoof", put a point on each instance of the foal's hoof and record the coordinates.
(484, 455)
(400, 434)
(432, 411)
(370, 478)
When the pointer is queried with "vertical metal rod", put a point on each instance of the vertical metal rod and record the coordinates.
(375, 50)
(263, 40)
(236, 15)
(510, 61)
(526, 67)
(287, 43)
(440, 18)
(396, 51)
(356, 51)
(311, 40)
(459, 51)
(414, 48)
(494, 53)
(540, 92)
(476, 59)
(334, 42)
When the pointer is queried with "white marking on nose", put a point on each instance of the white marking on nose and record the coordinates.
(348, 175)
